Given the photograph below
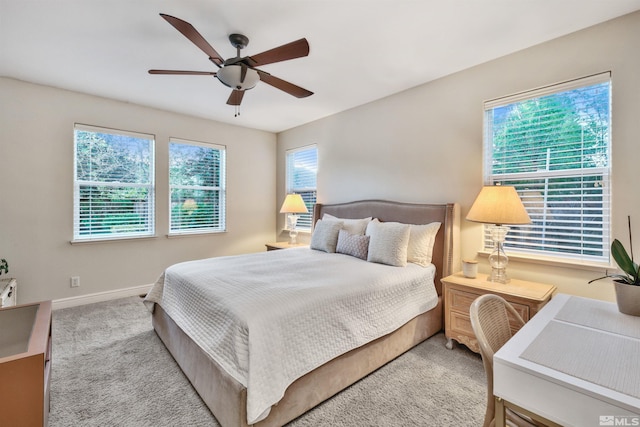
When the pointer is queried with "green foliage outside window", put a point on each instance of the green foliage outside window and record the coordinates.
(114, 181)
(196, 177)
(555, 150)
(554, 132)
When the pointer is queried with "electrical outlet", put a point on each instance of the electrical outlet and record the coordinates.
(75, 281)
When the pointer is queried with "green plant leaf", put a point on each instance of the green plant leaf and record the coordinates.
(623, 260)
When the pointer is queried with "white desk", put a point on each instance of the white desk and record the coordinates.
(576, 363)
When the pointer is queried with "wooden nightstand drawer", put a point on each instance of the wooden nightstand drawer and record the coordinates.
(460, 328)
(460, 292)
(461, 300)
(460, 322)
(523, 311)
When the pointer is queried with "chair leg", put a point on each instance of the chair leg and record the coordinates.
(500, 420)
(490, 413)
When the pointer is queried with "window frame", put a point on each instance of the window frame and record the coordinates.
(304, 223)
(78, 183)
(221, 227)
(491, 178)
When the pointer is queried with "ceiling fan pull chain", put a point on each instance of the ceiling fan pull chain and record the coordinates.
(237, 111)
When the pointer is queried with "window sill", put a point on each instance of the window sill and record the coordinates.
(555, 262)
(303, 231)
(111, 240)
(194, 234)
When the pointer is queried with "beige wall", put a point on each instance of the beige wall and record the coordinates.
(425, 144)
(36, 196)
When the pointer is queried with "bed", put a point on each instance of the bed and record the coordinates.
(337, 363)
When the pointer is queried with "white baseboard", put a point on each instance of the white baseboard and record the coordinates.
(100, 296)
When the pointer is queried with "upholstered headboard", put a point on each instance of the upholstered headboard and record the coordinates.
(447, 240)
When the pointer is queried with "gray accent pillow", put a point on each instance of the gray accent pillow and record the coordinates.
(352, 244)
(389, 242)
(325, 235)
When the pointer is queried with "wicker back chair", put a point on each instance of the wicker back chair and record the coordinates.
(490, 322)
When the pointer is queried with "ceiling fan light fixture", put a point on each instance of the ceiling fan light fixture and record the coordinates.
(230, 75)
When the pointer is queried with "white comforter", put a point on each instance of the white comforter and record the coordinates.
(268, 318)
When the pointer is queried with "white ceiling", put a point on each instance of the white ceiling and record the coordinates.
(361, 50)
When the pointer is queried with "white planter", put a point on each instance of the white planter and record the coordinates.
(628, 298)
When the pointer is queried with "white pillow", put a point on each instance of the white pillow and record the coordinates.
(325, 235)
(388, 243)
(353, 226)
(421, 240)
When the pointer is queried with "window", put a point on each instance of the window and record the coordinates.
(113, 184)
(302, 168)
(197, 186)
(553, 145)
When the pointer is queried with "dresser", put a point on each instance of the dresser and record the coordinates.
(25, 364)
(459, 292)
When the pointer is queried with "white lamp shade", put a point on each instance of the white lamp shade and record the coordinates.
(498, 204)
(231, 76)
(293, 203)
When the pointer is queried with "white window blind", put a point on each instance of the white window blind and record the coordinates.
(197, 186)
(553, 145)
(113, 184)
(302, 169)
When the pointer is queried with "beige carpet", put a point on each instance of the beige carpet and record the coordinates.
(110, 369)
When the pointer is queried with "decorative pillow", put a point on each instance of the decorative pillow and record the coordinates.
(388, 244)
(352, 244)
(421, 240)
(353, 226)
(325, 235)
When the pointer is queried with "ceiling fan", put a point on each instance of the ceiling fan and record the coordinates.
(239, 73)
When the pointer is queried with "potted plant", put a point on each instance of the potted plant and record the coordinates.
(627, 284)
(4, 266)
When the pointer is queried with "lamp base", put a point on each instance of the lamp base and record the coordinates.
(293, 237)
(293, 233)
(498, 259)
(498, 275)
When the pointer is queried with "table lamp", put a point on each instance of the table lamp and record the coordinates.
(498, 205)
(293, 204)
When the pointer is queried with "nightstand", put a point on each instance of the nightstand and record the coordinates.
(273, 246)
(459, 292)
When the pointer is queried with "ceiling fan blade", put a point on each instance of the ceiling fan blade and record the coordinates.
(243, 73)
(190, 73)
(296, 49)
(283, 85)
(236, 97)
(196, 38)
